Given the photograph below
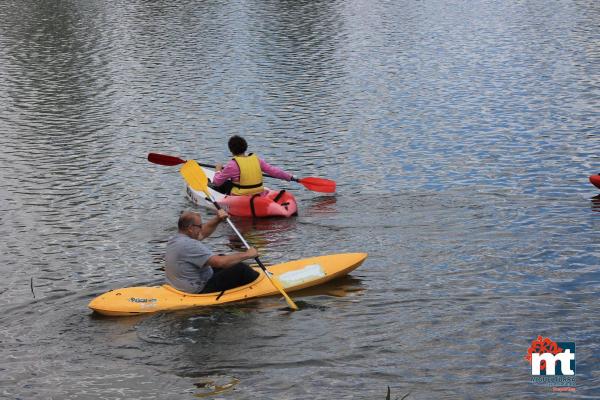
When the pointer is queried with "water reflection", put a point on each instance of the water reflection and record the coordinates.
(223, 346)
(261, 233)
(319, 205)
(342, 287)
(596, 203)
(201, 325)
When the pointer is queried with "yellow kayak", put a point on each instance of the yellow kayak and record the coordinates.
(293, 275)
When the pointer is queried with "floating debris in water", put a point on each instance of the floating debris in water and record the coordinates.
(215, 385)
(389, 394)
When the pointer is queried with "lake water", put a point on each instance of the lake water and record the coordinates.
(461, 135)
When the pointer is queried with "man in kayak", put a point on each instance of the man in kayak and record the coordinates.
(193, 268)
(243, 175)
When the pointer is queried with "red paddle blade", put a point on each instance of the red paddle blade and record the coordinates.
(162, 159)
(318, 184)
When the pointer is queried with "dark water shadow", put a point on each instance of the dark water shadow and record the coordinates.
(266, 225)
(340, 287)
(595, 203)
(261, 233)
(175, 324)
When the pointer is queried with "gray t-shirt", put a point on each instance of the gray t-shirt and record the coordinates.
(186, 264)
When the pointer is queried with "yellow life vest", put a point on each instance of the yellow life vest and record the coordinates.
(251, 181)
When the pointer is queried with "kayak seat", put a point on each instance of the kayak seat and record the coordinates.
(260, 277)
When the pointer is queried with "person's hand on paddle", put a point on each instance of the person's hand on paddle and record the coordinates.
(251, 253)
(222, 215)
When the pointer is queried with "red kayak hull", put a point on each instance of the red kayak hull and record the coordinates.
(595, 180)
(276, 203)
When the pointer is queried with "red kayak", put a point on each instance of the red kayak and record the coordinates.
(270, 203)
(274, 203)
(595, 179)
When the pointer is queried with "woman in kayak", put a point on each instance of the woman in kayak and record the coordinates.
(243, 175)
(193, 268)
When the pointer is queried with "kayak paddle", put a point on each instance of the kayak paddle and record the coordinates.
(196, 178)
(169, 161)
(320, 185)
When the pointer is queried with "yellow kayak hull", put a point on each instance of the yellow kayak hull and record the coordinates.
(293, 275)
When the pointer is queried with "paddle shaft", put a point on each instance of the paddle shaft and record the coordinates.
(311, 183)
(163, 159)
(196, 178)
(293, 179)
(277, 285)
(260, 264)
(214, 167)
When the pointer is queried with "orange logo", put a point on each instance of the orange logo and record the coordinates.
(542, 345)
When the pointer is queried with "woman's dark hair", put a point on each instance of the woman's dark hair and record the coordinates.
(237, 145)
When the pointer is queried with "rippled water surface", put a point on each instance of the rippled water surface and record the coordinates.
(461, 135)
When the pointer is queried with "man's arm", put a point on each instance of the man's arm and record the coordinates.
(230, 260)
(209, 227)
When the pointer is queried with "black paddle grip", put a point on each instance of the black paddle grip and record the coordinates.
(260, 264)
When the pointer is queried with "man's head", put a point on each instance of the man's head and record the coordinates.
(190, 224)
(237, 145)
